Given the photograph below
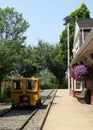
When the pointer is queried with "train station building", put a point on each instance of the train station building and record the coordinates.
(82, 63)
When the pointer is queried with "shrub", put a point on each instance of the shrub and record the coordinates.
(5, 94)
(65, 83)
(49, 86)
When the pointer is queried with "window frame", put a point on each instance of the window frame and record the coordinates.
(79, 88)
(15, 87)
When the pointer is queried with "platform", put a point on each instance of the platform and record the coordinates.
(67, 113)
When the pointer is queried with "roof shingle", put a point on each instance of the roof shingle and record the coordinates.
(85, 23)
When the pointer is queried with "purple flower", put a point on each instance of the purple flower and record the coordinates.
(81, 72)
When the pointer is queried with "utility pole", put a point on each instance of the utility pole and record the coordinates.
(67, 20)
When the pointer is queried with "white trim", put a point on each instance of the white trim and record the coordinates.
(78, 88)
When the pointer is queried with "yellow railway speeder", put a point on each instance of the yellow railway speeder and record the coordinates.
(25, 91)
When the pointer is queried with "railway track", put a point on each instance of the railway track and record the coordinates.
(28, 119)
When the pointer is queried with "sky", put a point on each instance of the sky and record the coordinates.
(45, 17)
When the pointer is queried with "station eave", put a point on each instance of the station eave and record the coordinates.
(85, 50)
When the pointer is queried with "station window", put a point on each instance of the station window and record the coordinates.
(17, 85)
(30, 85)
(78, 85)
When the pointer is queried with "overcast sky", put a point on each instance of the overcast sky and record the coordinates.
(45, 16)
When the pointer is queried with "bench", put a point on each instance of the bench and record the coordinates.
(84, 96)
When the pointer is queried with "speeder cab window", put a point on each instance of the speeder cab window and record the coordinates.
(30, 84)
(17, 85)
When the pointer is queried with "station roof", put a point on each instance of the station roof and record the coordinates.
(85, 23)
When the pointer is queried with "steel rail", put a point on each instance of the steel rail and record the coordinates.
(34, 112)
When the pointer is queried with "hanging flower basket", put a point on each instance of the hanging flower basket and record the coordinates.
(82, 72)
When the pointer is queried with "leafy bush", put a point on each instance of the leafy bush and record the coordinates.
(5, 94)
(49, 86)
(65, 84)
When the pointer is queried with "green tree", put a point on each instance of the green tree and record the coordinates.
(12, 28)
(55, 63)
(80, 13)
(39, 55)
(33, 60)
(27, 65)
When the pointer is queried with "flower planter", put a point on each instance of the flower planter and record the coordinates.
(83, 72)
